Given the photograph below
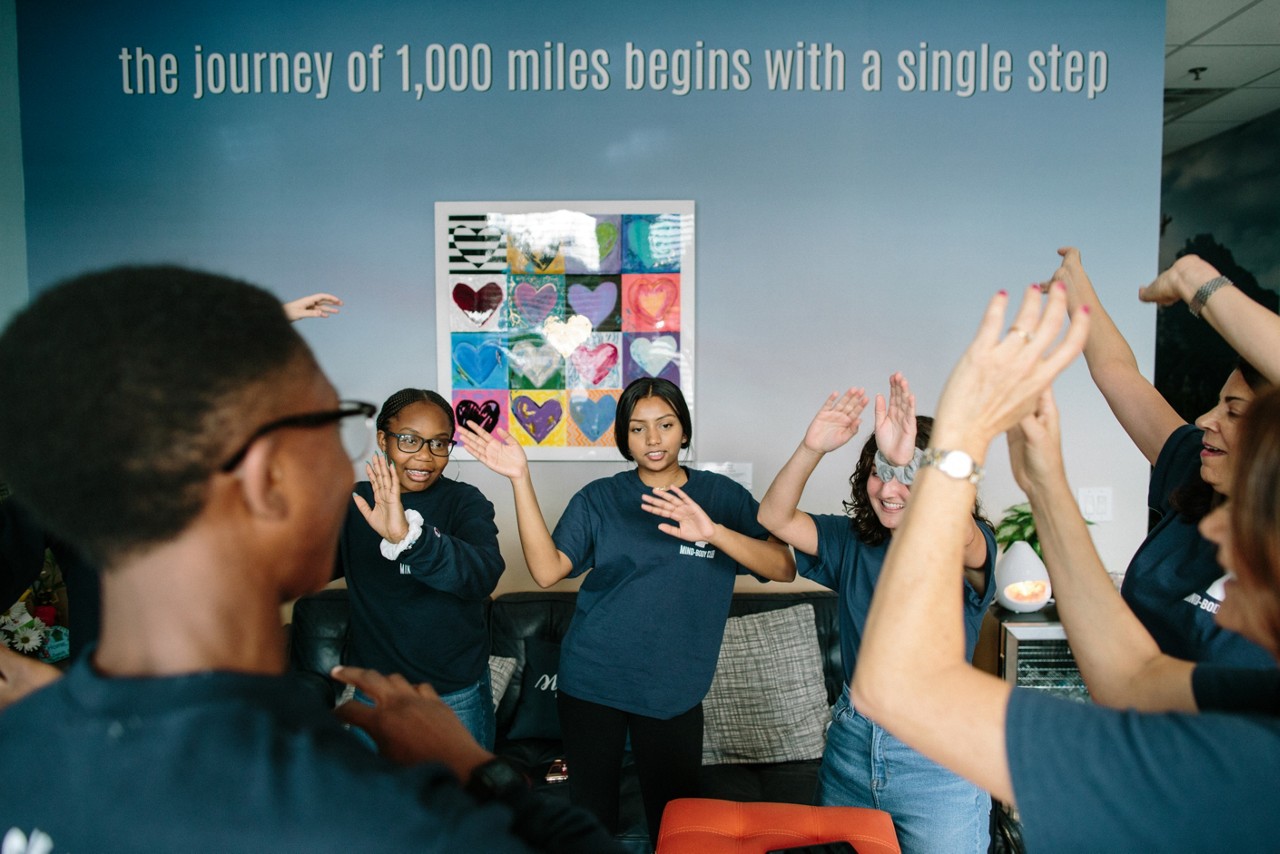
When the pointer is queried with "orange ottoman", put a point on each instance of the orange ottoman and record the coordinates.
(706, 826)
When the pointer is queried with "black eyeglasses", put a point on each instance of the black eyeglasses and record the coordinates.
(356, 422)
(410, 443)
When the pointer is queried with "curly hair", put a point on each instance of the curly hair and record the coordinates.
(123, 392)
(407, 396)
(862, 517)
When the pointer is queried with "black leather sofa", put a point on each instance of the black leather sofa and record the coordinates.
(318, 641)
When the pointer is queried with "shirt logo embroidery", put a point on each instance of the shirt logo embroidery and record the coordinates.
(1212, 598)
(17, 842)
(405, 570)
(698, 550)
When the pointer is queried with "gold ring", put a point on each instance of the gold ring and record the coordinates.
(1026, 336)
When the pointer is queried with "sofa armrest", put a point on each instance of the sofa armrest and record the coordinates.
(318, 636)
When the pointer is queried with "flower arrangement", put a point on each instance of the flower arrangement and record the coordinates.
(21, 631)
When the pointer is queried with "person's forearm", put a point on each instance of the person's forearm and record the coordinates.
(912, 676)
(779, 509)
(546, 563)
(1143, 413)
(452, 562)
(1121, 664)
(766, 558)
(1252, 330)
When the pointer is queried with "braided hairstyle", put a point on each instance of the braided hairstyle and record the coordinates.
(407, 396)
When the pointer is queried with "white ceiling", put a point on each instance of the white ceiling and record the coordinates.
(1237, 43)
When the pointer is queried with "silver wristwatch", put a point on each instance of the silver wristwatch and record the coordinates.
(1205, 291)
(954, 464)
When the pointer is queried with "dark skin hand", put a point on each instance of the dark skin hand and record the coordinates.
(410, 723)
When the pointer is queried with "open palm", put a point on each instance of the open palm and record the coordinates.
(836, 422)
(896, 422)
(497, 450)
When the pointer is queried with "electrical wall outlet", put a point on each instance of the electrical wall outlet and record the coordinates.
(1095, 503)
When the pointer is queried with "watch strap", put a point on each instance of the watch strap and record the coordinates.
(940, 459)
(1205, 291)
(496, 780)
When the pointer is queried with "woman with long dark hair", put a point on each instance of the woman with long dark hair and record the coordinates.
(1173, 584)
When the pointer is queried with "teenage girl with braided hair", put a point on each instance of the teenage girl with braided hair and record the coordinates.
(420, 554)
(863, 765)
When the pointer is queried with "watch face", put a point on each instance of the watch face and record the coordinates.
(956, 464)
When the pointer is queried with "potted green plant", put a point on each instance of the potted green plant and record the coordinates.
(1018, 525)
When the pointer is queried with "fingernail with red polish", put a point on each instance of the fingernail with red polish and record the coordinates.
(1085, 309)
(1002, 293)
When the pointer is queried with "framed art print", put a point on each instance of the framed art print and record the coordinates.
(547, 310)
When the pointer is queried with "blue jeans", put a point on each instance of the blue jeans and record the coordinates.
(473, 706)
(933, 809)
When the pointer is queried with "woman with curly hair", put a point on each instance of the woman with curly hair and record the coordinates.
(863, 765)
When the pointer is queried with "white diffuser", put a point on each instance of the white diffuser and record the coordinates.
(1022, 582)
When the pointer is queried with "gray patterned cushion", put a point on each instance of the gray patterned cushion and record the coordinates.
(501, 669)
(767, 702)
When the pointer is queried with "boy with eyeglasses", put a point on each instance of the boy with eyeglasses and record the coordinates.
(213, 489)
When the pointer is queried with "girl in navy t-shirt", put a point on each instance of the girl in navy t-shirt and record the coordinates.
(640, 653)
(863, 765)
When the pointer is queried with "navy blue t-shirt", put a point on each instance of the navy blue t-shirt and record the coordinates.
(220, 761)
(1236, 689)
(650, 615)
(1174, 582)
(423, 614)
(850, 567)
(1090, 778)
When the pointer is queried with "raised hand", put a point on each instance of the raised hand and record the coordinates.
(409, 723)
(497, 450)
(896, 422)
(1071, 273)
(692, 524)
(1035, 446)
(836, 422)
(313, 305)
(386, 516)
(999, 379)
(1179, 282)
